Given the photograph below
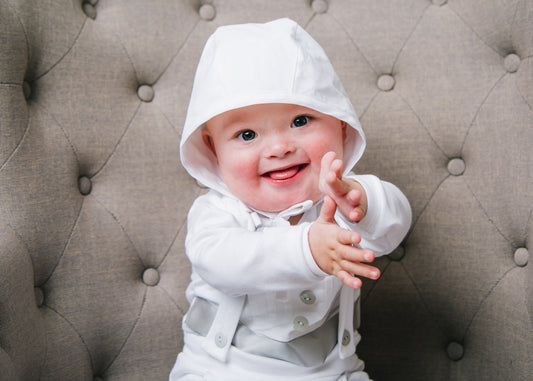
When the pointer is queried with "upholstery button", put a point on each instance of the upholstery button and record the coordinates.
(346, 338)
(300, 323)
(511, 63)
(89, 9)
(386, 82)
(26, 89)
(85, 185)
(308, 297)
(455, 351)
(145, 93)
(151, 277)
(521, 256)
(207, 12)
(220, 340)
(39, 296)
(319, 6)
(456, 166)
(397, 254)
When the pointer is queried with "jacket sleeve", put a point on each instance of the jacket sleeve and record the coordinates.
(237, 260)
(388, 217)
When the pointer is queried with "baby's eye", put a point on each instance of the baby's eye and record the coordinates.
(300, 121)
(247, 135)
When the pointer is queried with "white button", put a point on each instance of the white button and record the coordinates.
(220, 340)
(300, 323)
(308, 297)
(346, 337)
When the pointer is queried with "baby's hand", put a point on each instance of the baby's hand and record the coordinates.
(348, 194)
(333, 251)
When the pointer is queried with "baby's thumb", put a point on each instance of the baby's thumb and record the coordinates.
(327, 213)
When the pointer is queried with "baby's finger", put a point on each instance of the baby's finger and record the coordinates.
(361, 269)
(347, 237)
(349, 280)
(354, 196)
(336, 166)
(326, 175)
(327, 160)
(327, 213)
(356, 214)
(356, 254)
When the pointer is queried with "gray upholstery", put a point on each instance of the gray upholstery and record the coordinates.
(93, 199)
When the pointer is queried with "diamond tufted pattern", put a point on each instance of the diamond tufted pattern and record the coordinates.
(93, 199)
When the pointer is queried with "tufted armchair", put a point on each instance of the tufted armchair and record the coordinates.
(93, 199)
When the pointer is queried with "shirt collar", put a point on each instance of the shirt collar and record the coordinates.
(294, 210)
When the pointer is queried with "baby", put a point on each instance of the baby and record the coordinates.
(277, 242)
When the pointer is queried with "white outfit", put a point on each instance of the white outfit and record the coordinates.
(261, 309)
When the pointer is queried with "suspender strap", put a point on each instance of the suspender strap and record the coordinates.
(346, 322)
(216, 323)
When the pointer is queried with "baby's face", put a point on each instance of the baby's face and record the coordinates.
(269, 155)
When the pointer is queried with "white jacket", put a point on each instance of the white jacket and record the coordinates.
(254, 267)
(263, 264)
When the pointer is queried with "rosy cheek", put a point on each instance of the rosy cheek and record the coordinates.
(316, 152)
(330, 142)
(237, 169)
(244, 167)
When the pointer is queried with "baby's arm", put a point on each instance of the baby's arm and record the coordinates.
(348, 194)
(228, 253)
(333, 248)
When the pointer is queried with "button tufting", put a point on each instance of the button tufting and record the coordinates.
(319, 6)
(300, 323)
(455, 351)
(145, 93)
(456, 166)
(386, 82)
(220, 340)
(85, 185)
(89, 9)
(397, 254)
(207, 12)
(308, 297)
(439, 2)
(151, 277)
(511, 63)
(39, 296)
(521, 256)
(26, 89)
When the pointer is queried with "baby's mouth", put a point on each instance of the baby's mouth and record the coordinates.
(285, 173)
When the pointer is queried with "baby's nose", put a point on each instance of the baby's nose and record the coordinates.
(279, 147)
